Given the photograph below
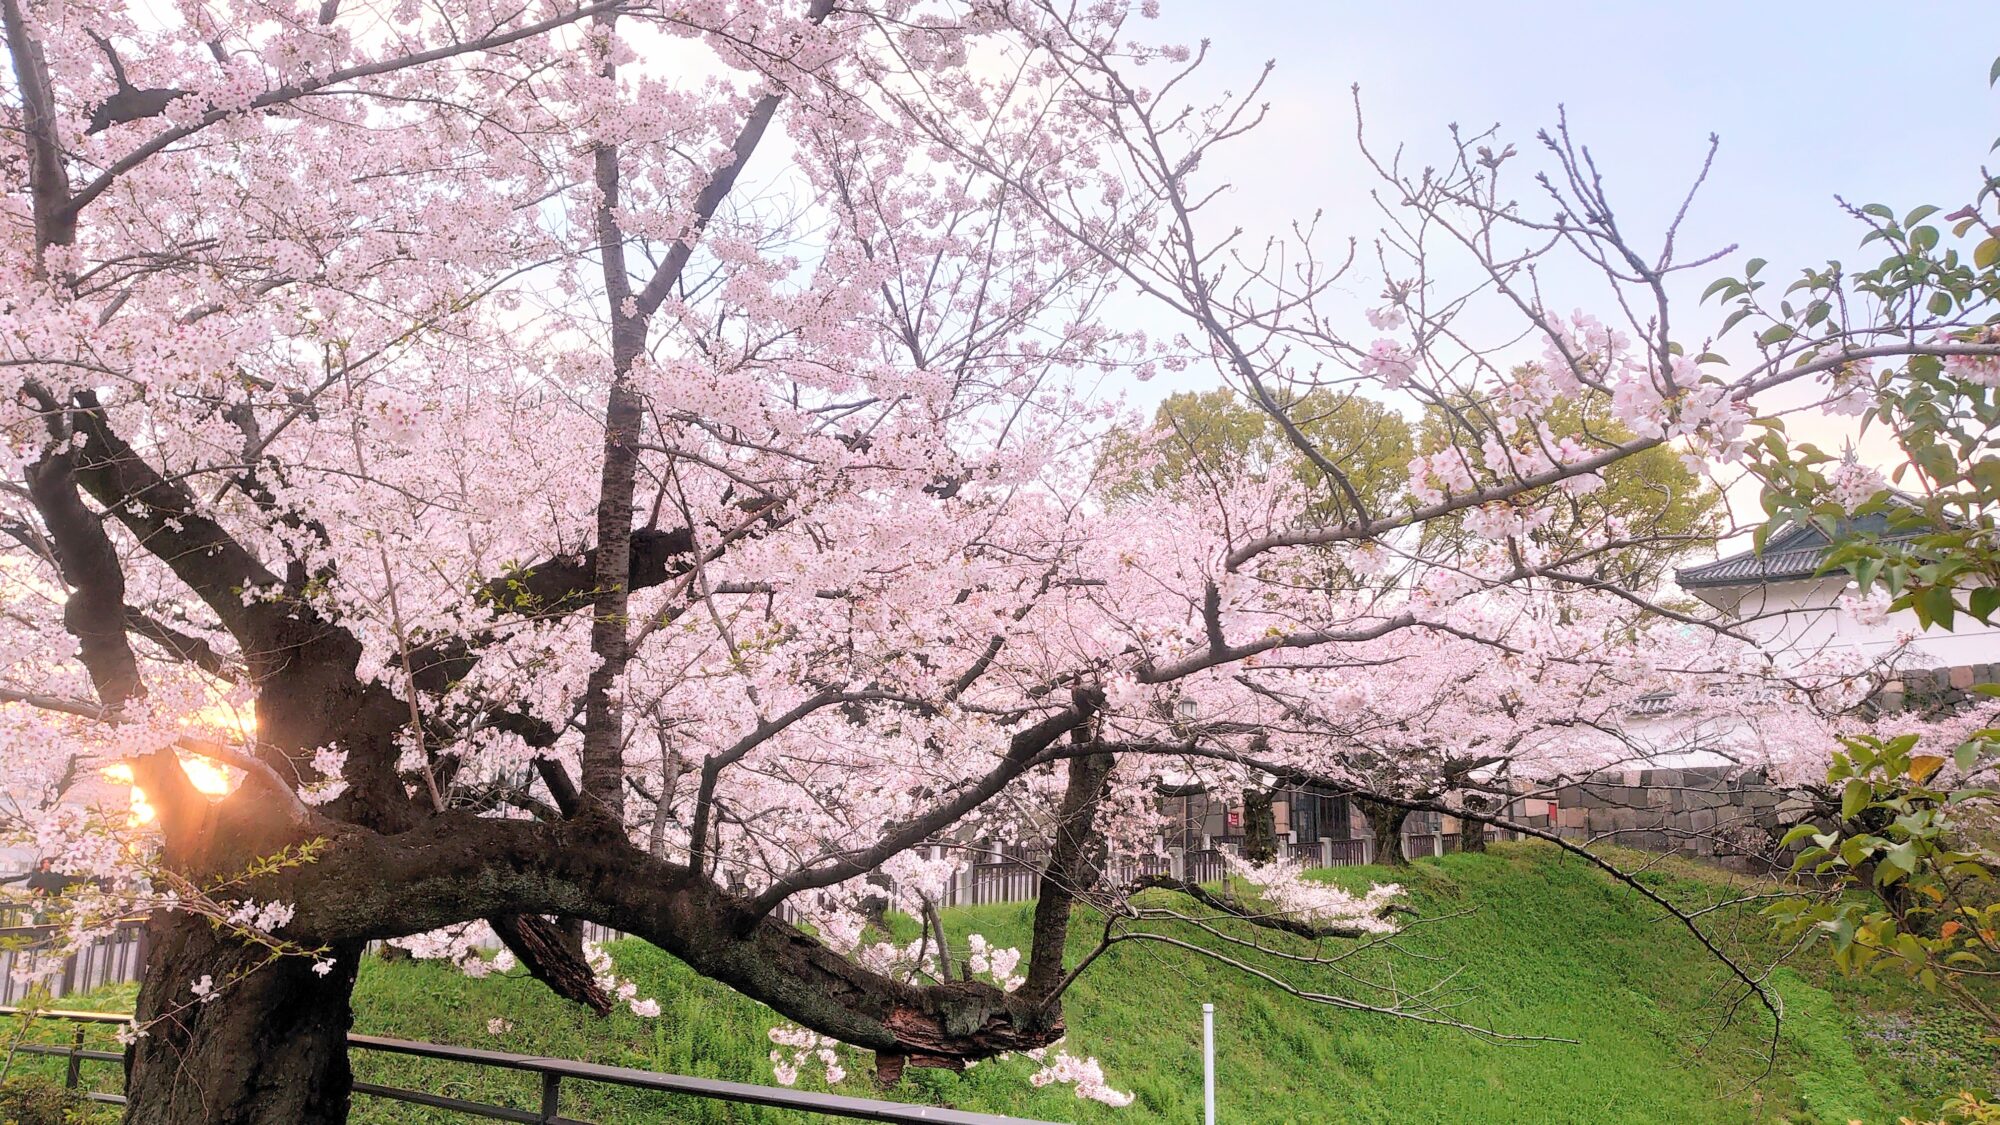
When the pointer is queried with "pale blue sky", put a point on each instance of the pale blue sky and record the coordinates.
(1875, 101)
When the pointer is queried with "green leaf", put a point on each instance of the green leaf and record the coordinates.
(1900, 857)
(1864, 573)
(1965, 756)
(1855, 850)
(1855, 797)
(1776, 334)
(1981, 603)
(1934, 606)
(1986, 253)
(1993, 76)
(1940, 304)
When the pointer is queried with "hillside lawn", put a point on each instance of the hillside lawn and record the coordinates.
(1528, 942)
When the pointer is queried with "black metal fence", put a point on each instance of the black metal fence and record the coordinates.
(552, 1073)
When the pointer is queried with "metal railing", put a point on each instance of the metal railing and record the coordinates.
(551, 1072)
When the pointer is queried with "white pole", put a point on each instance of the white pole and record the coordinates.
(1208, 1064)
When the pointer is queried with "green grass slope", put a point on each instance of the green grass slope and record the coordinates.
(1522, 941)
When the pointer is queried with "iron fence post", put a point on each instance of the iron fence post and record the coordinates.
(551, 1096)
(75, 1073)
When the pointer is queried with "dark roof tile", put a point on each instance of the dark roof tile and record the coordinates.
(1793, 552)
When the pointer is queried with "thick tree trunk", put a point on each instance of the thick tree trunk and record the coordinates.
(270, 1049)
(1075, 863)
(1260, 827)
(1472, 833)
(1386, 822)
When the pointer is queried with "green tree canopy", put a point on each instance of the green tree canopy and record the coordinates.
(1220, 435)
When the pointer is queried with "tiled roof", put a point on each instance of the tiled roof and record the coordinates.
(1794, 552)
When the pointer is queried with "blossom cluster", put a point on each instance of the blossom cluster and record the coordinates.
(797, 1049)
(1286, 889)
(1063, 1068)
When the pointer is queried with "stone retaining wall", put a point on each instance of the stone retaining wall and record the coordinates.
(1722, 813)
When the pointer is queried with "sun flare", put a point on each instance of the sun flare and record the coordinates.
(208, 777)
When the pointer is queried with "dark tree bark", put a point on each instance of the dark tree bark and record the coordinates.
(1260, 827)
(553, 954)
(95, 611)
(1073, 868)
(271, 1049)
(1386, 823)
(1472, 833)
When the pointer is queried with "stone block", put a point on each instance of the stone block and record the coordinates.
(1701, 820)
(1792, 810)
(1961, 676)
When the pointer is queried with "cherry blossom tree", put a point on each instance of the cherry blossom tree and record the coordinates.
(569, 462)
